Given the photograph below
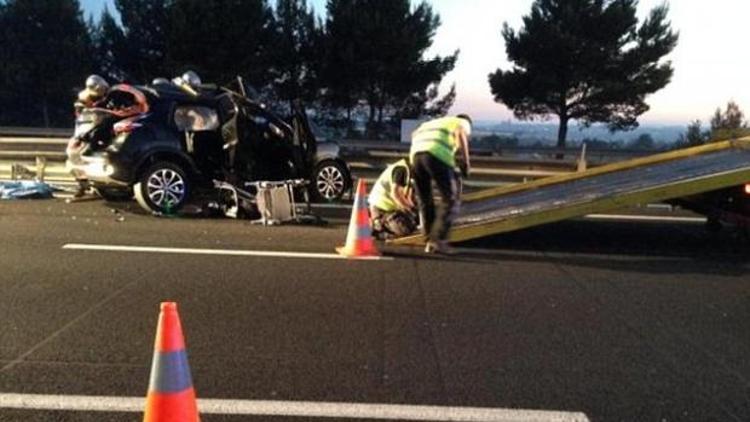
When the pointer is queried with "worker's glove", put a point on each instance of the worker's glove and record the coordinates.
(464, 170)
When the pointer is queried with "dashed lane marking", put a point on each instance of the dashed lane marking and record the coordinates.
(294, 409)
(225, 252)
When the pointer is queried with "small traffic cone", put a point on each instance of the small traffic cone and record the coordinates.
(171, 397)
(359, 241)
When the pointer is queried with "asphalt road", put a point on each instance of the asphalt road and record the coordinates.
(622, 321)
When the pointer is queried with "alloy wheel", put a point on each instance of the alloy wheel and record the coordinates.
(166, 188)
(330, 182)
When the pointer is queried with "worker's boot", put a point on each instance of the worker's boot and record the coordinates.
(444, 248)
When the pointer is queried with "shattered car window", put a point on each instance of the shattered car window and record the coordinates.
(196, 119)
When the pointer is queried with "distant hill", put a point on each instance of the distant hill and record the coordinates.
(546, 133)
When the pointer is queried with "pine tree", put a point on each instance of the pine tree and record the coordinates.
(144, 24)
(46, 54)
(695, 135)
(585, 60)
(375, 57)
(294, 52)
(222, 39)
(730, 124)
(109, 47)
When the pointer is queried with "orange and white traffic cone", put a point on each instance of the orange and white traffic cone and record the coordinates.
(359, 241)
(171, 397)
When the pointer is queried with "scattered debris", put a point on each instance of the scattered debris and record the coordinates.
(26, 189)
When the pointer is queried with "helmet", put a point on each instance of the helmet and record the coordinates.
(160, 81)
(97, 86)
(192, 78)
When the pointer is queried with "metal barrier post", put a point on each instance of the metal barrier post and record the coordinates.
(41, 166)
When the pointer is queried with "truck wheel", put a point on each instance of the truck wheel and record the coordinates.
(330, 181)
(163, 188)
(713, 224)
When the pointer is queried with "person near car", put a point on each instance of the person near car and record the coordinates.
(94, 92)
(434, 147)
(96, 89)
(392, 207)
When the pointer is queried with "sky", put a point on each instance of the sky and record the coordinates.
(711, 60)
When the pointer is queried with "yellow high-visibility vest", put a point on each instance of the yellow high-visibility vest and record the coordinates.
(437, 137)
(380, 196)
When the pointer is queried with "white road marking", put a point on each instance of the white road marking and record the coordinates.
(229, 252)
(294, 409)
(646, 218)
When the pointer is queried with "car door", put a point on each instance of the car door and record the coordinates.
(200, 126)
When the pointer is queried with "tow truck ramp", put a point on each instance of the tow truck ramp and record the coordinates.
(654, 178)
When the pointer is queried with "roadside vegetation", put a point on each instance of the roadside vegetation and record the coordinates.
(361, 65)
(365, 60)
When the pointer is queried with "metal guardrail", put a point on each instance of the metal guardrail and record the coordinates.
(36, 132)
(487, 171)
(366, 158)
(537, 153)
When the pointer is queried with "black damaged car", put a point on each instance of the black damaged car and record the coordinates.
(166, 140)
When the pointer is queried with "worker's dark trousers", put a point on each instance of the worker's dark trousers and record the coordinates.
(427, 169)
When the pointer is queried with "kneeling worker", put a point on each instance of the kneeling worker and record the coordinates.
(392, 208)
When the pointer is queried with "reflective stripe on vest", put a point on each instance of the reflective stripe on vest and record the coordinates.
(438, 137)
(380, 196)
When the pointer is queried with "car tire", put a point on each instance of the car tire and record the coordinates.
(163, 188)
(330, 181)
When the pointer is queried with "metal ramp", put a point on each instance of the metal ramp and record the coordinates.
(654, 178)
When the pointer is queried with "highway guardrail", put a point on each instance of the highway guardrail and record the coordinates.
(30, 146)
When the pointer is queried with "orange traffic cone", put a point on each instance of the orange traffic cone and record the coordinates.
(359, 242)
(171, 396)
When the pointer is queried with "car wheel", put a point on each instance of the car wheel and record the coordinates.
(163, 188)
(331, 180)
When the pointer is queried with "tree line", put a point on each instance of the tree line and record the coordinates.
(724, 125)
(584, 61)
(363, 61)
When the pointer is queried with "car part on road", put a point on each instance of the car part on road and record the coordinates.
(233, 201)
(163, 188)
(272, 203)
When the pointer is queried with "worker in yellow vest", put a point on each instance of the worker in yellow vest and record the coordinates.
(392, 207)
(434, 146)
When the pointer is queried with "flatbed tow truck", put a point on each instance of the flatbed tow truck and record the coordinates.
(668, 176)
